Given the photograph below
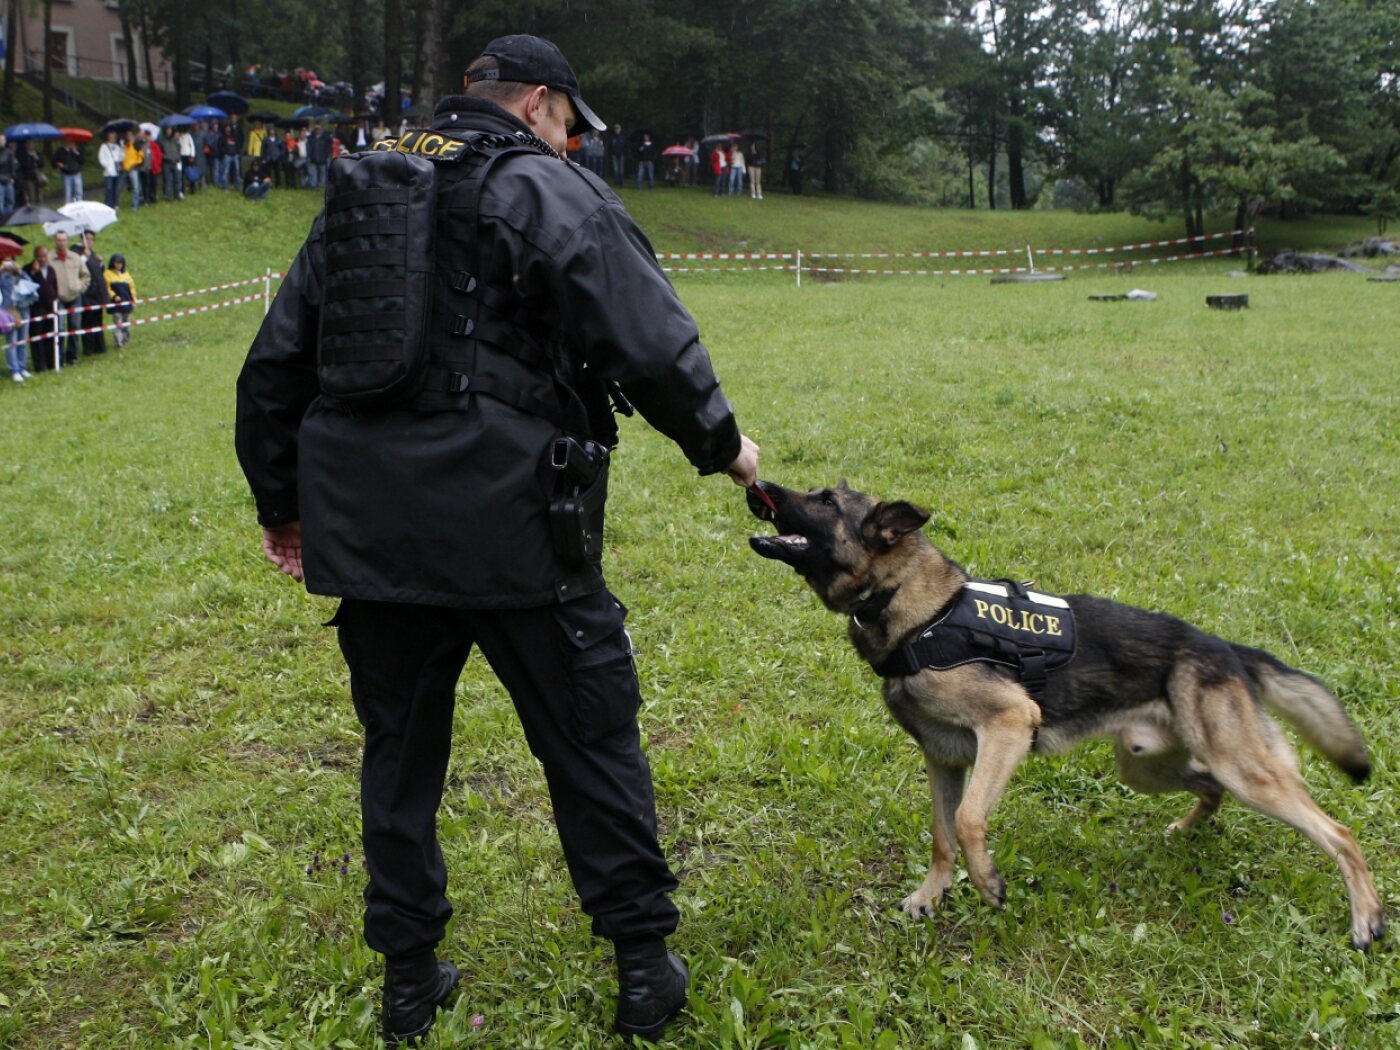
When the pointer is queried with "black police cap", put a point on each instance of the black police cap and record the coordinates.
(532, 60)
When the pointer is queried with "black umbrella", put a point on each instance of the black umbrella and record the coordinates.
(265, 118)
(32, 215)
(120, 125)
(229, 102)
(291, 122)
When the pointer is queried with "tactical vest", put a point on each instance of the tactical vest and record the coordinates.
(996, 622)
(390, 338)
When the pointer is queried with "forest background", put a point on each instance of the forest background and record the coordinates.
(1170, 108)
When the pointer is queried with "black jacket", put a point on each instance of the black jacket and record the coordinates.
(319, 147)
(450, 508)
(68, 160)
(97, 293)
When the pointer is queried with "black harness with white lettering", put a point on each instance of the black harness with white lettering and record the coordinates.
(996, 622)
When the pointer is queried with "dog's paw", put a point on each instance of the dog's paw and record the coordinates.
(994, 891)
(1365, 932)
(919, 905)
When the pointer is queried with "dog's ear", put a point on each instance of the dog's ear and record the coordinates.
(888, 523)
(841, 486)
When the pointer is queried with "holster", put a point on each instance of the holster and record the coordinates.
(576, 510)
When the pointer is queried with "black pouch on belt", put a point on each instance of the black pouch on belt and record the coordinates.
(580, 490)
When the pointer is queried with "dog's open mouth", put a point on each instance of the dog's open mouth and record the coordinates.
(783, 547)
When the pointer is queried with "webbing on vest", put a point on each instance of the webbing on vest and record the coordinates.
(458, 377)
(993, 621)
(375, 346)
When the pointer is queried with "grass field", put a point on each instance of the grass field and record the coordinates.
(179, 858)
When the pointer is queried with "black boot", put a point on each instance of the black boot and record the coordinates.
(651, 984)
(414, 987)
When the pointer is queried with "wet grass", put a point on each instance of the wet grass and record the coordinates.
(179, 859)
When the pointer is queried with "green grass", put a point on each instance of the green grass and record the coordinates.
(693, 220)
(177, 744)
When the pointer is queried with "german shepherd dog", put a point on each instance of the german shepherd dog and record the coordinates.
(1185, 709)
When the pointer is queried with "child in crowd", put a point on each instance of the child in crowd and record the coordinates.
(123, 291)
(11, 328)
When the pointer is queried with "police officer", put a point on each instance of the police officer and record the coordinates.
(434, 520)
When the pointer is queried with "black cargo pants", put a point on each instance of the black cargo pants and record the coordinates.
(569, 671)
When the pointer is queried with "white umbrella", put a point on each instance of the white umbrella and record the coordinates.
(82, 215)
(150, 129)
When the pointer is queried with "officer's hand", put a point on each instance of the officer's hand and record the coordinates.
(282, 545)
(744, 470)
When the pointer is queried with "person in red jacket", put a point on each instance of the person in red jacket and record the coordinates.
(718, 164)
(153, 177)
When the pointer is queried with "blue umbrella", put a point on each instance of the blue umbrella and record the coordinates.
(314, 112)
(33, 131)
(176, 120)
(228, 100)
(206, 113)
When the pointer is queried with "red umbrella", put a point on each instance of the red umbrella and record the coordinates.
(76, 134)
(675, 151)
(9, 249)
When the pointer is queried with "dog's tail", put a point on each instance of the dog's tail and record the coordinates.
(1311, 708)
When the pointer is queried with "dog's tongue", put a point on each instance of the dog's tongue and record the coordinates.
(764, 498)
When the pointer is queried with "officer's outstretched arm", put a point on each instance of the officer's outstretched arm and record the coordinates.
(629, 325)
(744, 469)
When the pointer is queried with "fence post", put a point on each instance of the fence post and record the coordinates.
(799, 267)
(1030, 258)
(267, 291)
(57, 341)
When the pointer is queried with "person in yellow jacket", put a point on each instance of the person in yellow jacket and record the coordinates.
(123, 291)
(253, 150)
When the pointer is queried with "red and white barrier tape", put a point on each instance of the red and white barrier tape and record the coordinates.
(729, 269)
(206, 291)
(71, 310)
(915, 255)
(1019, 269)
(1147, 244)
(953, 254)
(1145, 262)
(724, 255)
(52, 336)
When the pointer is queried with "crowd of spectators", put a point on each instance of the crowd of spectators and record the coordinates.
(251, 158)
(52, 309)
(67, 289)
(735, 162)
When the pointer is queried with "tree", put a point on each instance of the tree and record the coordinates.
(393, 60)
(1329, 69)
(1097, 48)
(11, 18)
(1219, 150)
(1015, 31)
(428, 82)
(179, 46)
(355, 50)
(48, 61)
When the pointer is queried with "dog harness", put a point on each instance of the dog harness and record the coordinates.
(995, 622)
